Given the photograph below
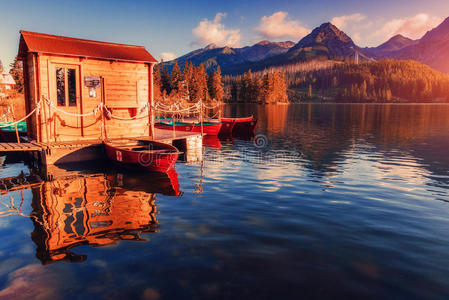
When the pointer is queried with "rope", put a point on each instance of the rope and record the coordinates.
(211, 107)
(138, 116)
(38, 105)
(92, 113)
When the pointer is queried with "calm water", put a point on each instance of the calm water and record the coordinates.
(326, 202)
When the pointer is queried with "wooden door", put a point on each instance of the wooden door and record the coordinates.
(66, 122)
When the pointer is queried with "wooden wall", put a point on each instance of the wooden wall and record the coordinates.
(125, 91)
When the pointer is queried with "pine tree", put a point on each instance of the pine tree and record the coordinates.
(215, 85)
(165, 78)
(234, 90)
(17, 74)
(156, 83)
(198, 88)
(175, 78)
(187, 77)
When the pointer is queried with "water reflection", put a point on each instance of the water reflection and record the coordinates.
(96, 209)
(327, 135)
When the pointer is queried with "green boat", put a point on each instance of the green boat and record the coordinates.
(21, 127)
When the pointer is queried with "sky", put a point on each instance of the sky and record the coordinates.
(173, 28)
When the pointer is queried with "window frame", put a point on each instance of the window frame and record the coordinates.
(68, 85)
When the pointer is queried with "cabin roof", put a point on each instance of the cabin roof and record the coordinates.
(60, 45)
(6, 79)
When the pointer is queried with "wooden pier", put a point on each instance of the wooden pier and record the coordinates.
(23, 147)
(189, 143)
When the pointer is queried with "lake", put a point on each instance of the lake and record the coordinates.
(325, 202)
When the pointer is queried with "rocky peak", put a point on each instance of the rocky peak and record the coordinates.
(210, 46)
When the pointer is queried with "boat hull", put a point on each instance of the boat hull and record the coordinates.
(153, 156)
(242, 126)
(227, 127)
(208, 129)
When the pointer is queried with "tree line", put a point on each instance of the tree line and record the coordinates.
(192, 83)
(266, 87)
(379, 81)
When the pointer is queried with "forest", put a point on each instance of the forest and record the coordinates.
(383, 81)
(191, 84)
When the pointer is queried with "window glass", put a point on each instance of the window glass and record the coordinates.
(60, 86)
(71, 82)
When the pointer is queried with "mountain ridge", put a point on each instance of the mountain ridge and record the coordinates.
(325, 42)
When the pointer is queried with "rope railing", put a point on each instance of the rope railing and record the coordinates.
(137, 116)
(35, 110)
(92, 113)
(173, 109)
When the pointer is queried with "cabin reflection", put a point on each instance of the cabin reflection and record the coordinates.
(97, 210)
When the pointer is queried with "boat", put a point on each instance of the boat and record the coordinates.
(154, 156)
(242, 126)
(209, 128)
(226, 127)
(8, 131)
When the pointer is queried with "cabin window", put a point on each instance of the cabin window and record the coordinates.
(71, 80)
(66, 86)
(60, 85)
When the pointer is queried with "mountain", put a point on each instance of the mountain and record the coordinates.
(324, 41)
(395, 43)
(264, 49)
(432, 49)
(226, 57)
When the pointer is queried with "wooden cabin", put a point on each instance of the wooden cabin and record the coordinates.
(73, 77)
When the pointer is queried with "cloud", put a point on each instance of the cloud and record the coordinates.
(214, 32)
(167, 56)
(343, 21)
(278, 26)
(356, 37)
(413, 27)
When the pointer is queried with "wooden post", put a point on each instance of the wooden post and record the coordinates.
(173, 123)
(17, 133)
(103, 126)
(38, 95)
(201, 117)
(26, 90)
(151, 100)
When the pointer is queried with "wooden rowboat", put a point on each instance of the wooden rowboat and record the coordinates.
(154, 156)
(242, 126)
(209, 128)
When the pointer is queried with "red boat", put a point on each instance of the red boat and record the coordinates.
(154, 156)
(209, 128)
(241, 125)
(226, 127)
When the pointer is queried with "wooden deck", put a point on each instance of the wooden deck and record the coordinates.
(161, 135)
(24, 147)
